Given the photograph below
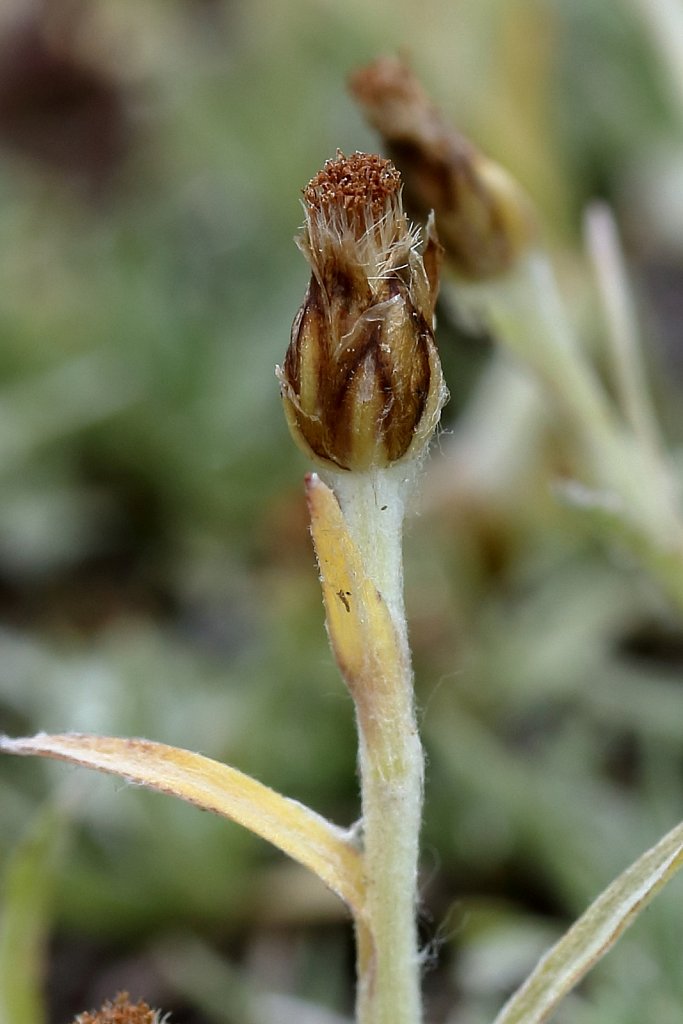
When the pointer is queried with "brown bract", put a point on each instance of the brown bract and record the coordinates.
(120, 1011)
(361, 382)
(483, 217)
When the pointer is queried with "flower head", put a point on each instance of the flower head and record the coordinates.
(121, 1011)
(361, 382)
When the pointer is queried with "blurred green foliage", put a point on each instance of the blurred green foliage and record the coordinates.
(156, 577)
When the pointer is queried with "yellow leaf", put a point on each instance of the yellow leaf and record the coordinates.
(358, 621)
(293, 828)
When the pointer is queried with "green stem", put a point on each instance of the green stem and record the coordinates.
(391, 766)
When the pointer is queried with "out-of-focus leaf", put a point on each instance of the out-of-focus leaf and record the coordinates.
(594, 934)
(293, 828)
(25, 922)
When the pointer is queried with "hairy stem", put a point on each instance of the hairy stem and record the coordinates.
(390, 763)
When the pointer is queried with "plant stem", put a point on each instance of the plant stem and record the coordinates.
(390, 762)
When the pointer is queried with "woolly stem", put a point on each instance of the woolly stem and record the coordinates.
(390, 763)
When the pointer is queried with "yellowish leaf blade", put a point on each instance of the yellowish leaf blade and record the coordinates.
(358, 621)
(293, 828)
(594, 934)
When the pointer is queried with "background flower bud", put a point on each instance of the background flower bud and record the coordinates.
(485, 219)
(361, 382)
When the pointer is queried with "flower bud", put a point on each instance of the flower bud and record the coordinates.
(484, 218)
(361, 382)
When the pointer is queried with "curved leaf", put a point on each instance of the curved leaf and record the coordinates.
(594, 934)
(296, 830)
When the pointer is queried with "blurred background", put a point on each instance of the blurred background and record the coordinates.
(156, 574)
